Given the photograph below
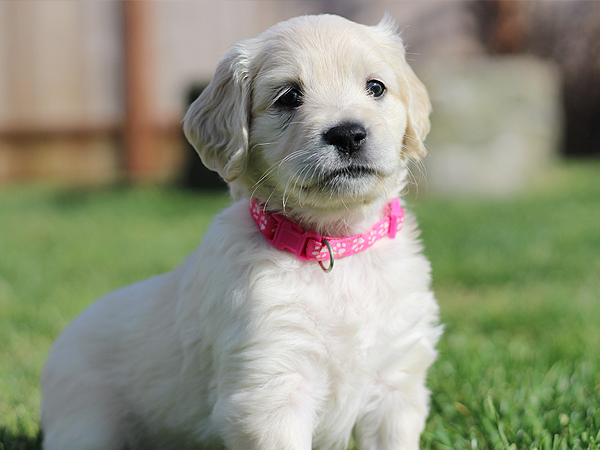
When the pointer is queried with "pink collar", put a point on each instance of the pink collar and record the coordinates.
(310, 246)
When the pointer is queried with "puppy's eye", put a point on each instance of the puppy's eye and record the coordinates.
(375, 88)
(292, 98)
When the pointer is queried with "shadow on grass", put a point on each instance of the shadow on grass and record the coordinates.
(12, 441)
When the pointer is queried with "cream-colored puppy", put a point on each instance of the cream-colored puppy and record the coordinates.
(245, 345)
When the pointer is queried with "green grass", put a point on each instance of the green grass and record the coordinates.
(518, 281)
(519, 287)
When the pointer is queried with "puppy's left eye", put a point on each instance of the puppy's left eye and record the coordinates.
(375, 88)
(290, 99)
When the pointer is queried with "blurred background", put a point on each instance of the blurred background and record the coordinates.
(93, 93)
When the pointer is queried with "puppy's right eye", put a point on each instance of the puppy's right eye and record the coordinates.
(292, 98)
(375, 88)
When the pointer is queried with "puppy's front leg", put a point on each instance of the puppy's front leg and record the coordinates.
(267, 412)
(398, 420)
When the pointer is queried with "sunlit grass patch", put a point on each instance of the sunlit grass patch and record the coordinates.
(518, 282)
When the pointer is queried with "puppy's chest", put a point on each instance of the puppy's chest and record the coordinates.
(351, 325)
(349, 315)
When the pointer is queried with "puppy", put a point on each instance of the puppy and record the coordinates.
(305, 317)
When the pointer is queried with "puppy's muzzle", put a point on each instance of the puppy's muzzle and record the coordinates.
(348, 138)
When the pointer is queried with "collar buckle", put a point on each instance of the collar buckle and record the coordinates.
(291, 237)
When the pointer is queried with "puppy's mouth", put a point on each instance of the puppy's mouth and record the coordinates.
(348, 173)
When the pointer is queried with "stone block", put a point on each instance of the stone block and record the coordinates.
(496, 123)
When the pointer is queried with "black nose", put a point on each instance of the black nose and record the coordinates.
(348, 138)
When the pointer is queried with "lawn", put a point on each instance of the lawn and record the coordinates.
(518, 281)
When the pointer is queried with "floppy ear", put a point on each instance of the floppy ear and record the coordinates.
(419, 108)
(217, 123)
(413, 92)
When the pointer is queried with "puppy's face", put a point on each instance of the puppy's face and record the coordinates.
(318, 115)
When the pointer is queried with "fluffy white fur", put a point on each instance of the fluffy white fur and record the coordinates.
(243, 346)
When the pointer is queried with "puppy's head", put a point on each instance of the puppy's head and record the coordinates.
(316, 116)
